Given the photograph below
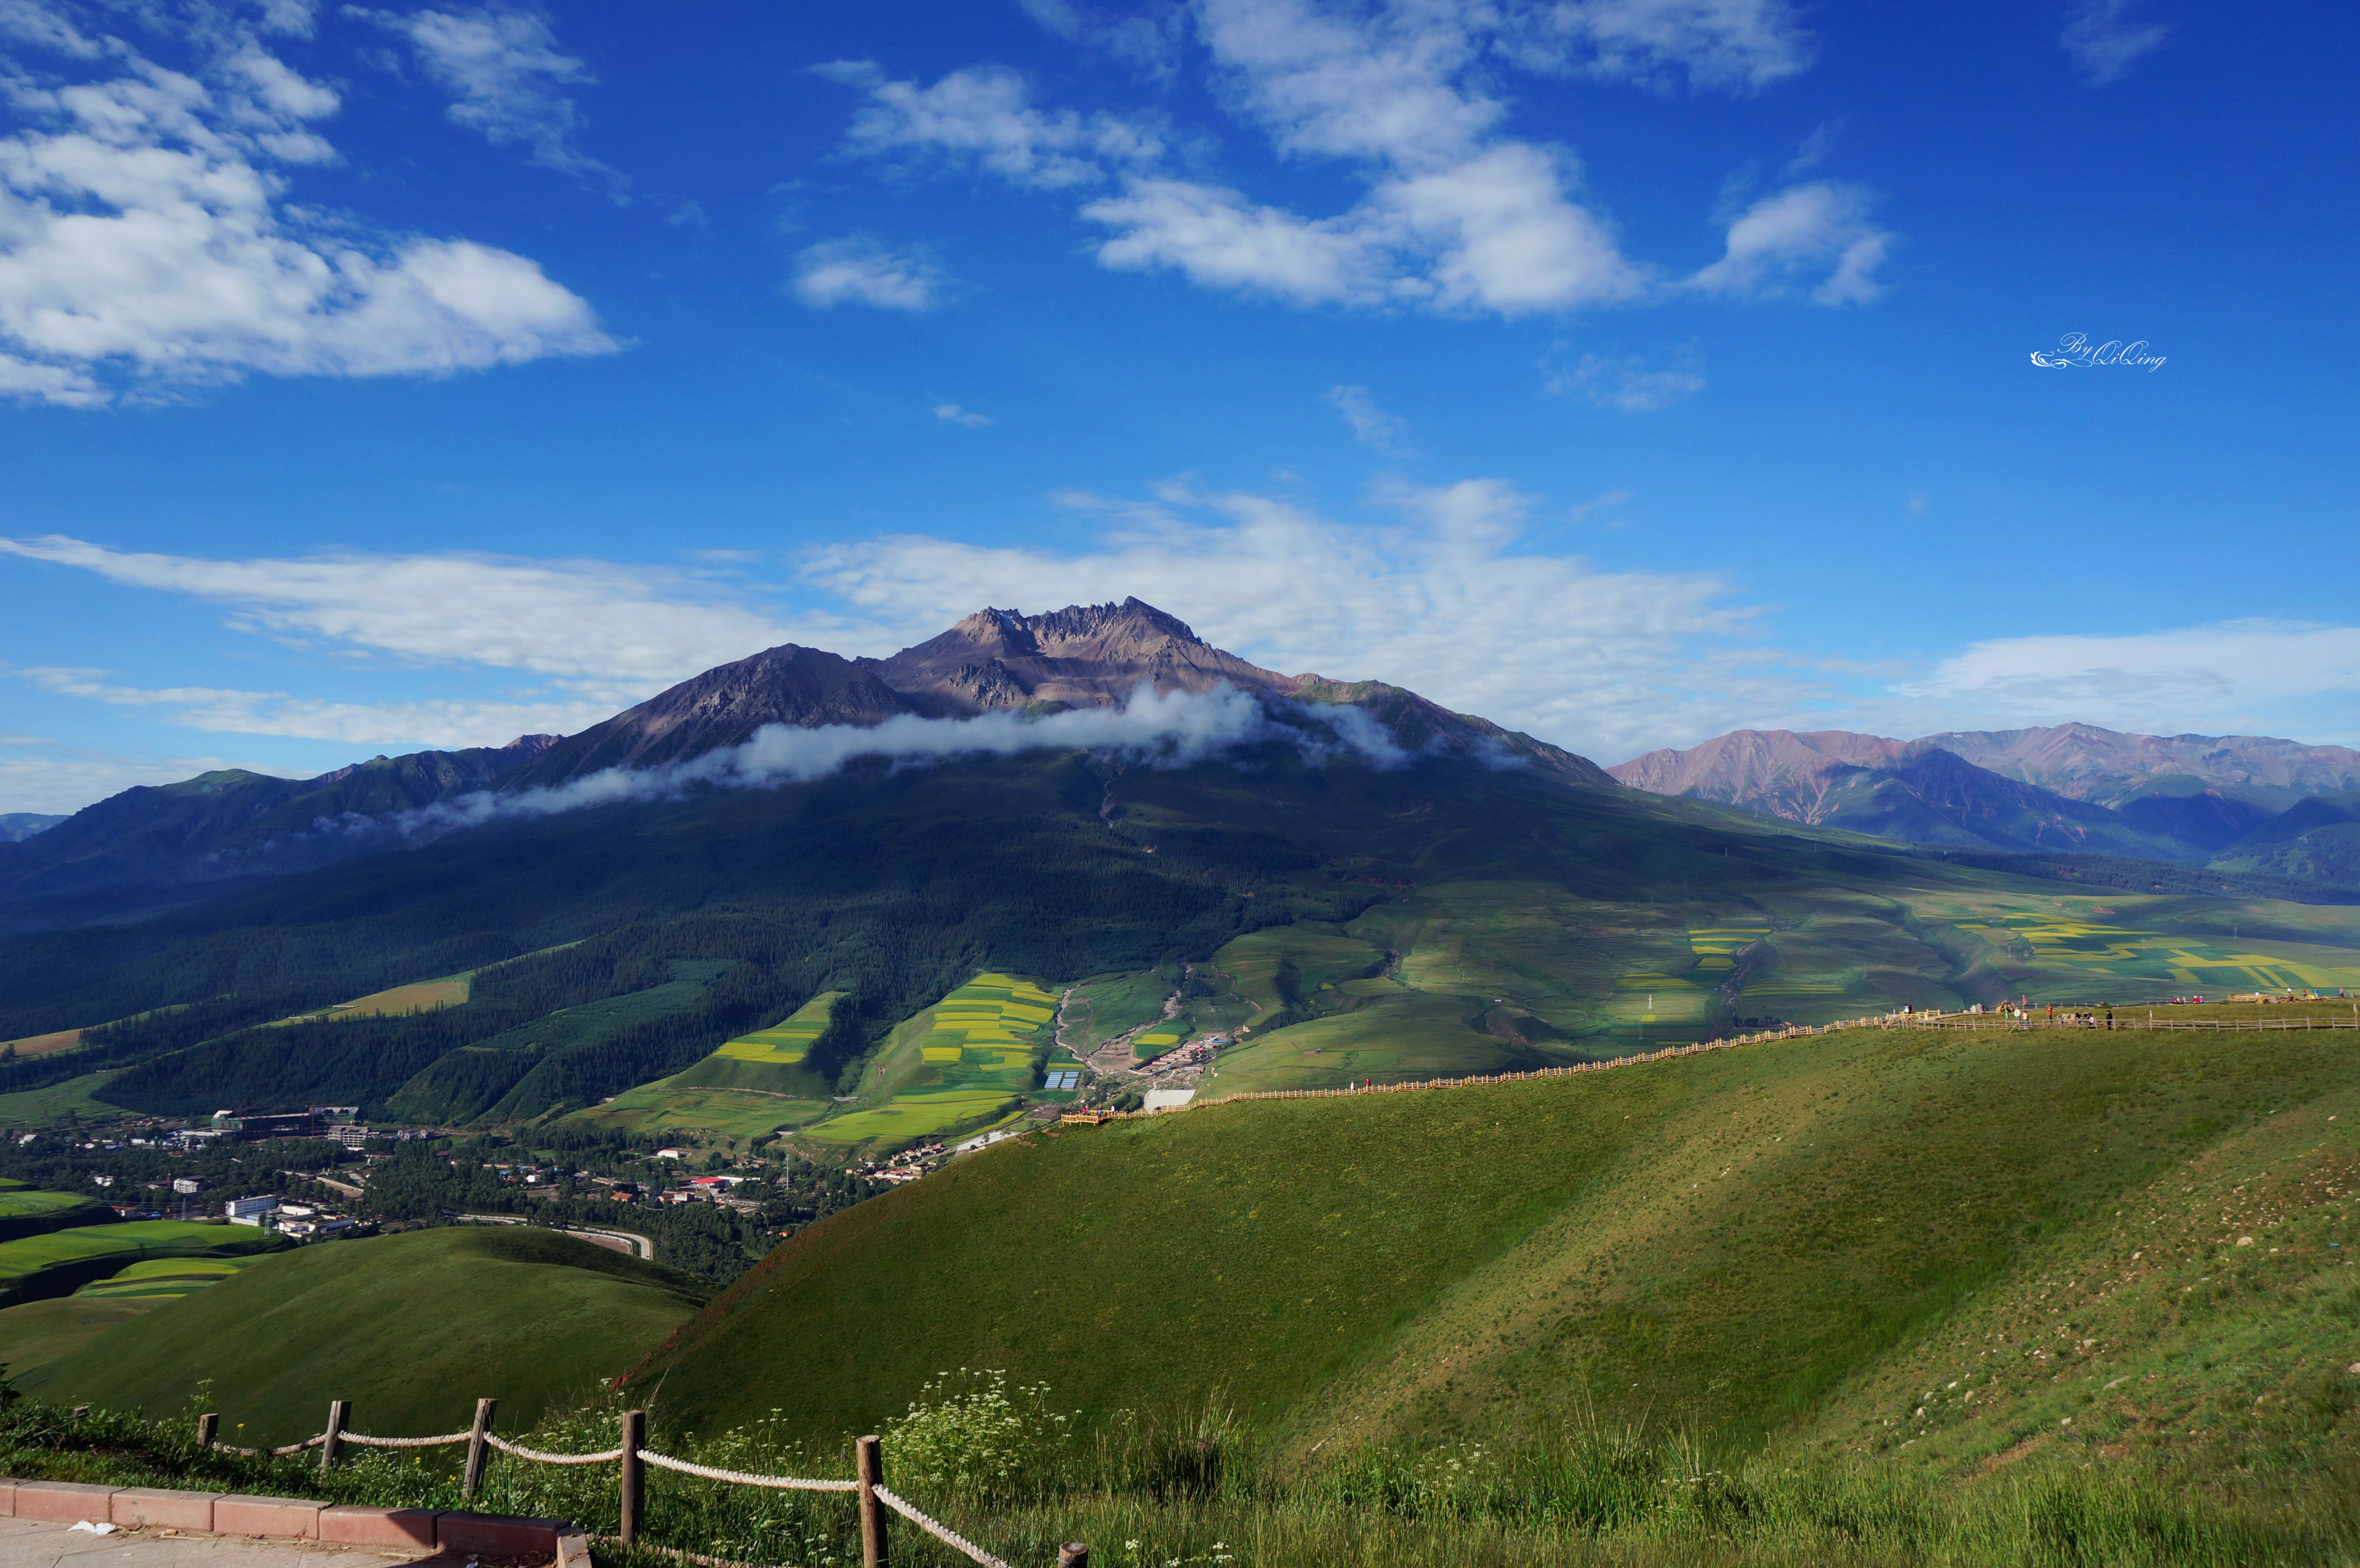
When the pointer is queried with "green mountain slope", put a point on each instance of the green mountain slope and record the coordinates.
(1471, 917)
(1773, 1244)
(412, 1328)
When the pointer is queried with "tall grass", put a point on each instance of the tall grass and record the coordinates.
(1152, 1490)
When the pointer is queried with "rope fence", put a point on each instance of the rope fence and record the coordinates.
(874, 1499)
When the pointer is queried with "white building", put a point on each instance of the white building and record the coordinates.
(249, 1210)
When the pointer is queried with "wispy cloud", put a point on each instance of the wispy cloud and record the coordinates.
(1372, 425)
(984, 117)
(1626, 384)
(951, 413)
(1734, 45)
(861, 271)
(40, 776)
(2103, 40)
(508, 80)
(2288, 674)
(444, 725)
(611, 631)
(148, 241)
(1459, 216)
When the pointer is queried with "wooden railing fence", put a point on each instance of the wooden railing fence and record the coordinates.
(873, 1498)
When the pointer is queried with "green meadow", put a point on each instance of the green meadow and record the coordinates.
(410, 1327)
(1781, 1247)
(27, 1213)
(55, 1264)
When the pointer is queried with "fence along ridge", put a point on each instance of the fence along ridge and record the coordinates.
(871, 1487)
(1764, 1037)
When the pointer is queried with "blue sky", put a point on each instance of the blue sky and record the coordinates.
(1625, 370)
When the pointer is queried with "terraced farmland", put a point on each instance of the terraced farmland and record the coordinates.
(748, 1088)
(958, 1065)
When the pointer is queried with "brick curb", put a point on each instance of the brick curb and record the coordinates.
(300, 1518)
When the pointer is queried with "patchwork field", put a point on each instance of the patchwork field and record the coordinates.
(749, 1088)
(1105, 1005)
(1464, 978)
(958, 1065)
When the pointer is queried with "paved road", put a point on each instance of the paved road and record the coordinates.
(31, 1543)
(630, 1243)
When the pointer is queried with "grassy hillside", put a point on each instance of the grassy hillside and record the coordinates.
(26, 1212)
(59, 1261)
(411, 1328)
(1791, 1243)
(39, 1332)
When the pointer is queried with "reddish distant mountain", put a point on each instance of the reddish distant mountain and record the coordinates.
(2108, 768)
(2072, 788)
(1912, 790)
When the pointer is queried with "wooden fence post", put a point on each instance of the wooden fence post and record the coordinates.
(208, 1427)
(340, 1416)
(477, 1449)
(869, 1463)
(634, 1474)
(1074, 1554)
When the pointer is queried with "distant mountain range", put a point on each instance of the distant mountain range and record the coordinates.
(1386, 888)
(233, 823)
(16, 825)
(2239, 802)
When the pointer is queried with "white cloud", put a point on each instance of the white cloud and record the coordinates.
(2292, 676)
(984, 116)
(1457, 216)
(145, 242)
(1447, 601)
(952, 413)
(443, 726)
(507, 76)
(861, 271)
(58, 780)
(1736, 45)
(610, 633)
(1818, 234)
(2104, 42)
(1222, 240)
(1505, 237)
(1372, 425)
(1626, 384)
